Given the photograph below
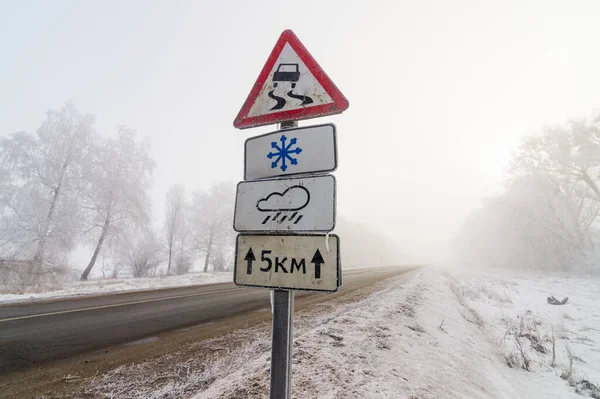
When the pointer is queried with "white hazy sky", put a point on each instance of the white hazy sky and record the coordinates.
(440, 91)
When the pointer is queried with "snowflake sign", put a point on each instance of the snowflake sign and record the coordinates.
(278, 153)
(283, 153)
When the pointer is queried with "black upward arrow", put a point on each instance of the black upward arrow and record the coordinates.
(318, 261)
(250, 258)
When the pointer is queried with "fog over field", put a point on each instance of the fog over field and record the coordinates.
(309, 199)
(442, 97)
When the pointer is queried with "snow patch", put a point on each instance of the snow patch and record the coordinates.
(549, 340)
(423, 339)
(112, 286)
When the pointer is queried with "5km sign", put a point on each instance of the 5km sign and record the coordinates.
(298, 262)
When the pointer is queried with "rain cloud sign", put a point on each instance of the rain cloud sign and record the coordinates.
(306, 204)
(291, 151)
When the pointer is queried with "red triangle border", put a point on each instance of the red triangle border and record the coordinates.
(339, 105)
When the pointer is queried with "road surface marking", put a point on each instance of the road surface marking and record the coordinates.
(115, 305)
(350, 271)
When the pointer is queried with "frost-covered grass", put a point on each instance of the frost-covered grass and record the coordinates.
(169, 377)
(99, 287)
(547, 340)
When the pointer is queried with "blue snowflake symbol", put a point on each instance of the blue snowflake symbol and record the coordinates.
(283, 153)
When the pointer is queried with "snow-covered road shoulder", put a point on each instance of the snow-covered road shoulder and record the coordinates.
(76, 289)
(427, 338)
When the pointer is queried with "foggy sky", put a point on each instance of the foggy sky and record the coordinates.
(440, 92)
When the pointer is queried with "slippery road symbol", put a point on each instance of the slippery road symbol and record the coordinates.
(305, 99)
(287, 73)
(280, 101)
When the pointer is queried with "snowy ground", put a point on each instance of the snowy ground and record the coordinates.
(394, 345)
(435, 335)
(550, 341)
(99, 287)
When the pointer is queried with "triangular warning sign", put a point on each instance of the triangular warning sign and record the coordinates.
(291, 86)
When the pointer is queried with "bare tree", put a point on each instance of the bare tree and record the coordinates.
(222, 258)
(40, 176)
(142, 252)
(547, 217)
(183, 247)
(183, 264)
(110, 264)
(116, 198)
(174, 219)
(212, 213)
(524, 226)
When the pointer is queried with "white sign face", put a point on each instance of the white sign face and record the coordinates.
(291, 151)
(298, 262)
(286, 205)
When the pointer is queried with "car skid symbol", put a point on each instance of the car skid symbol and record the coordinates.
(286, 73)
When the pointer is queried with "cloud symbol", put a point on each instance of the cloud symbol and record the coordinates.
(292, 199)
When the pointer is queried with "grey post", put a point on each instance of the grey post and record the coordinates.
(283, 333)
(281, 351)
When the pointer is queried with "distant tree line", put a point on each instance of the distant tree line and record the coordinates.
(66, 186)
(548, 215)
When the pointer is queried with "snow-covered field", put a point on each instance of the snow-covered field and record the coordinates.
(439, 336)
(559, 345)
(100, 287)
(425, 335)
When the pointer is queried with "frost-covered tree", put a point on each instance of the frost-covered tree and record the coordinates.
(183, 251)
(175, 208)
(116, 197)
(183, 263)
(222, 258)
(40, 179)
(211, 219)
(547, 216)
(525, 227)
(141, 251)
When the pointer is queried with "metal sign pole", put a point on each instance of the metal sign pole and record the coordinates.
(283, 333)
(281, 352)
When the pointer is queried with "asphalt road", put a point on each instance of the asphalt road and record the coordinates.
(34, 333)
